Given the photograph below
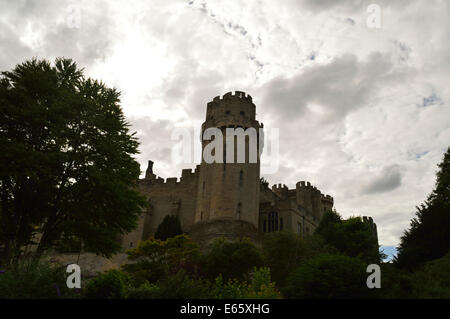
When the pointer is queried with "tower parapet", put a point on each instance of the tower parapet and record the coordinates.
(310, 198)
(281, 190)
(327, 202)
(232, 110)
(304, 195)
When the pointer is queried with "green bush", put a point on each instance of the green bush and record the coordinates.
(112, 284)
(395, 283)
(328, 276)
(32, 279)
(182, 286)
(351, 237)
(146, 271)
(144, 291)
(261, 287)
(433, 279)
(231, 259)
(154, 260)
(282, 253)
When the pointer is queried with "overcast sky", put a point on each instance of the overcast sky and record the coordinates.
(363, 112)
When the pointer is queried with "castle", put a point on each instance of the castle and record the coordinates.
(229, 199)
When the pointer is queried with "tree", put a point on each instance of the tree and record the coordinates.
(328, 276)
(66, 165)
(111, 284)
(282, 252)
(351, 237)
(154, 259)
(428, 236)
(35, 279)
(169, 227)
(232, 259)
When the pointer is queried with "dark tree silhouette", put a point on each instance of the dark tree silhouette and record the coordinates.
(351, 237)
(428, 236)
(66, 161)
(169, 227)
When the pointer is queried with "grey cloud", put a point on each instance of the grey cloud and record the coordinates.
(339, 87)
(323, 5)
(389, 179)
(346, 5)
(13, 50)
(56, 34)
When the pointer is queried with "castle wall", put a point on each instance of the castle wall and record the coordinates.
(165, 197)
(301, 208)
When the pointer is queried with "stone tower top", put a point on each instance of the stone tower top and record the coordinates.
(232, 110)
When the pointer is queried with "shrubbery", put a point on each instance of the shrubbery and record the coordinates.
(328, 276)
(30, 278)
(112, 284)
(232, 260)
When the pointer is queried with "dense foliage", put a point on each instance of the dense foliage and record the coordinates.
(66, 160)
(31, 278)
(351, 237)
(328, 276)
(428, 236)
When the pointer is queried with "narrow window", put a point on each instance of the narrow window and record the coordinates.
(227, 112)
(241, 178)
(238, 211)
(224, 155)
(131, 244)
(281, 223)
(273, 221)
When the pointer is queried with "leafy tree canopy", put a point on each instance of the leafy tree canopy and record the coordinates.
(328, 276)
(351, 237)
(66, 165)
(232, 259)
(428, 236)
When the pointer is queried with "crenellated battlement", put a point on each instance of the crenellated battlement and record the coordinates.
(238, 95)
(303, 184)
(230, 111)
(327, 198)
(279, 187)
(187, 175)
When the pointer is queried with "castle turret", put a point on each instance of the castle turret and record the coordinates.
(228, 188)
(304, 195)
(312, 200)
(327, 202)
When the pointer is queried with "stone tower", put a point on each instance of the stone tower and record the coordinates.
(228, 191)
